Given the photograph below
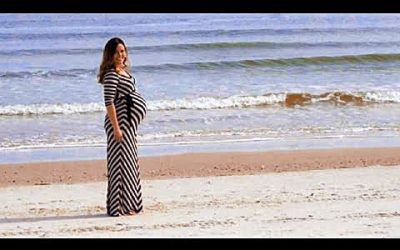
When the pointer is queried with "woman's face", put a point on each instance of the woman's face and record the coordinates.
(120, 55)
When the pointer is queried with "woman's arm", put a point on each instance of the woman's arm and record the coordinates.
(110, 90)
(112, 115)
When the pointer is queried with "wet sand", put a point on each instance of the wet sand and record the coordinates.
(200, 164)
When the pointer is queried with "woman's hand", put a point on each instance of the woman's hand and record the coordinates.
(118, 135)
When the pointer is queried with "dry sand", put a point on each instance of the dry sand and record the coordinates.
(313, 193)
(353, 202)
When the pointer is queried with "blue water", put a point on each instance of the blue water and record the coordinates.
(207, 78)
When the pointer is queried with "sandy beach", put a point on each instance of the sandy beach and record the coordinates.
(244, 124)
(312, 193)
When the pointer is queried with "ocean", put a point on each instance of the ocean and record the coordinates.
(213, 82)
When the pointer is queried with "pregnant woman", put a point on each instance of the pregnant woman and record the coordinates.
(126, 108)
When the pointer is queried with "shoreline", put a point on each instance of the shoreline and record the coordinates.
(201, 165)
(67, 153)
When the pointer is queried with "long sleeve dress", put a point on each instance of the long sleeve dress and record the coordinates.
(124, 194)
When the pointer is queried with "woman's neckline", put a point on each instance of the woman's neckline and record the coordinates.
(127, 76)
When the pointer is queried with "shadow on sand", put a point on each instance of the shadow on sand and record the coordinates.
(50, 218)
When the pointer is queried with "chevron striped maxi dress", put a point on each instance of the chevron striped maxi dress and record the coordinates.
(124, 194)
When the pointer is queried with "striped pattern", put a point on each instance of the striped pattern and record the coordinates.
(124, 194)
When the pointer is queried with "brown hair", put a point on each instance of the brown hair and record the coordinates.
(108, 57)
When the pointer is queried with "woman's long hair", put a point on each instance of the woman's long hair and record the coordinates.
(108, 58)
